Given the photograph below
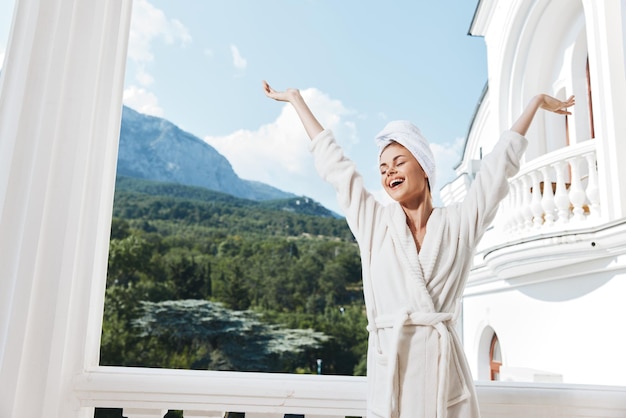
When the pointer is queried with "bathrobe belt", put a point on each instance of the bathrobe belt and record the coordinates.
(396, 322)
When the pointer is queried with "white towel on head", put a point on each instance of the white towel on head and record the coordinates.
(409, 136)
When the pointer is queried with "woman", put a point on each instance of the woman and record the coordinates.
(416, 258)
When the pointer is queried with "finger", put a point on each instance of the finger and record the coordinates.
(267, 87)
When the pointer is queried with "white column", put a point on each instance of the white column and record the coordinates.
(535, 206)
(577, 196)
(547, 201)
(561, 197)
(60, 110)
(604, 23)
(593, 191)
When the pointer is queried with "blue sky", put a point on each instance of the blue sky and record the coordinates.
(359, 64)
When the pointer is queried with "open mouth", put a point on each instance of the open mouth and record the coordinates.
(395, 183)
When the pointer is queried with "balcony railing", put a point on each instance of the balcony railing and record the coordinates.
(150, 393)
(554, 192)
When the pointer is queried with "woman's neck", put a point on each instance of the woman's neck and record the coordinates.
(417, 218)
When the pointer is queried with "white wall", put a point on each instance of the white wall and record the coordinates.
(570, 327)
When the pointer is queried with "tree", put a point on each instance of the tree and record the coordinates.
(212, 336)
(236, 295)
(190, 275)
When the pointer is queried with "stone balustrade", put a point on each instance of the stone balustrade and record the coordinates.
(556, 191)
(150, 393)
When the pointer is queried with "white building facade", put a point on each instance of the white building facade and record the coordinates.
(546, 297)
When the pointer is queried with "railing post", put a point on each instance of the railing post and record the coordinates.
(577, 194)
(535, 206)
(547, 201)
(561, 198)
(593, 190)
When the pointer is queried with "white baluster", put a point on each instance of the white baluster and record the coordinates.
(535, 204)
(593, 190)
(561, 198)
(577, 194)
(547, 201)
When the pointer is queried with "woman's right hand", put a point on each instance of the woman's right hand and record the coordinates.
(310, 123)
(282, 96)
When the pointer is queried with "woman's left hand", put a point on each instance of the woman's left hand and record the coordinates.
(555, 105)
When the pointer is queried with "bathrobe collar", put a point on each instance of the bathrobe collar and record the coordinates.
(420, 265)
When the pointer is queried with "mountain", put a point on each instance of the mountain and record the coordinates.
(156, 149)
(153, 200)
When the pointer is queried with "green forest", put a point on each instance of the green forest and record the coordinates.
(203, 280)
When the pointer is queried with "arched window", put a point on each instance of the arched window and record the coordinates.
(495, 357)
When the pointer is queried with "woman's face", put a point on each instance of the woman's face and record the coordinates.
(402, 176)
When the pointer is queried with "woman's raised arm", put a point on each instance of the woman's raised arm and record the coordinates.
(309, 121)
(541, 101)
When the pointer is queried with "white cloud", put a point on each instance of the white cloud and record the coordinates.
(239, 62)
(143, 77)
(277, 153)
(142, 101)
(148, 25)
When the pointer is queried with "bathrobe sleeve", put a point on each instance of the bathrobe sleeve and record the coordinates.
(466, 222)
(359, 207)
(491, 185)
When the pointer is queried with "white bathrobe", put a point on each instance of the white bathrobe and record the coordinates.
(416, 366)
